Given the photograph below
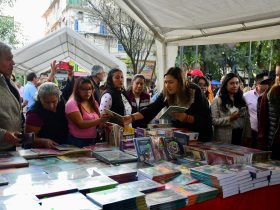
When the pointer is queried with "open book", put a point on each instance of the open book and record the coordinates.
(115, 117)
(172, 109)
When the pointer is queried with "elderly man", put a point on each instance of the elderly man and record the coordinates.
(10, 118)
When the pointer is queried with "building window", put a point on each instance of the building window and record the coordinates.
(103, 29)
(120, 47)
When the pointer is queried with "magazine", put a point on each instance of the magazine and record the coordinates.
(172, 109)
(115, 117)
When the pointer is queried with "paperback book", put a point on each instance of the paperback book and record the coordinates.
(114, 157)
(172, 109)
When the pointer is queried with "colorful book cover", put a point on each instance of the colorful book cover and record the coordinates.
(173, 148)
(168, 196)
(159, 148)
(144, 149)
(180, 180)
(214, 171)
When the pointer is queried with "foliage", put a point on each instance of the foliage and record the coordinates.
(216, 59)
(136, 41)
(10, 31)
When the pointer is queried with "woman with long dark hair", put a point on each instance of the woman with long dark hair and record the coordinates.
(203, 83)
(114, 98)
(230, 113)
(178, 92)
(83, 114)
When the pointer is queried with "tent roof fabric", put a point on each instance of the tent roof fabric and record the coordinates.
(64, 44)
(200, 22)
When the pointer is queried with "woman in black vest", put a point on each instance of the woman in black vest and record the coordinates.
(114, 97)
(46, 118)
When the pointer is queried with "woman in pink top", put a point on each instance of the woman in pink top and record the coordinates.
(83, 114)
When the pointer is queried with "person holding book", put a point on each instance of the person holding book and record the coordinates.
(138, 98)
(114, 98)
(46, 117)
(178, 92)
(230, 116)
(83, 114)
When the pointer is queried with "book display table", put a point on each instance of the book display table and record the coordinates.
(259, 199)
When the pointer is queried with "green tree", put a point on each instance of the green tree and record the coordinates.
(136, 41)
(10, 31)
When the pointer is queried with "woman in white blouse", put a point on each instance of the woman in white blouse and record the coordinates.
(114, 97)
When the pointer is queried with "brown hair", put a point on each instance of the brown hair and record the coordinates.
(183, 95)
(77, 97)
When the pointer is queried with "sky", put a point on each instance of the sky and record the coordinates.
(29, 14)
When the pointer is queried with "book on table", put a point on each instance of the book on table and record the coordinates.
(8, 160)
(172, 109)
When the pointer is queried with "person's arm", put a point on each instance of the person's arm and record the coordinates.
(10, 137)
(106, 103)
(217, 120)
(151, 111)
(77, 119)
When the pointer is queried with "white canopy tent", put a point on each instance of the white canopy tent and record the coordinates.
(201, 22)
(64, 44)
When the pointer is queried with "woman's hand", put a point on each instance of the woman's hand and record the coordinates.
(234, 116)
(183, 117)
(104, 118)
(127, 119)
(48, 143)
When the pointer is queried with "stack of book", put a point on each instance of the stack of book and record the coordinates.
(215, 176)
(144, 186)
(121, 174)
(52, 188)
(72, 201)
(244, 178)
(118, 198)
(94, 184)
(253, 155)
(197, 193)
(274, 167)
(159, 174)
(180, 181)
(19, 202)
(260, 176)
(114, 157)
(8, 160)
(166, 199)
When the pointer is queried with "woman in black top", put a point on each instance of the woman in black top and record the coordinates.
(114, 97)
(46, 118)
(178, 92)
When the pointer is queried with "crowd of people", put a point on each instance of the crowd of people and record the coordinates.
(77, 112)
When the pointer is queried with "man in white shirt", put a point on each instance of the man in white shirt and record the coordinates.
(251, 98)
